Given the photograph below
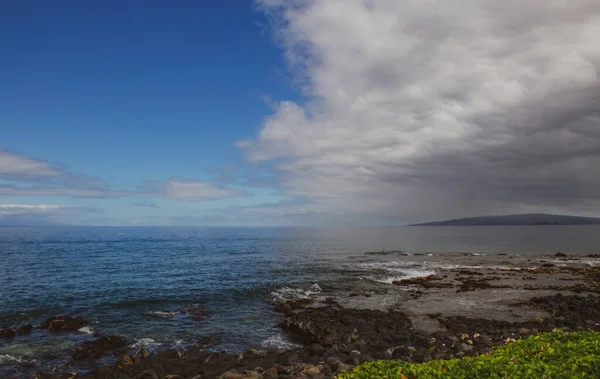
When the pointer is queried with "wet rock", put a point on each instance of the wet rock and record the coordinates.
(426, 357)
(148, 374)
(430, 281)
(402, 351)
(251, 374)
(207, 340)
(16, 331)
(270, 373)
(471, 284)
(231, 375)
(161, 314)
(420, 339)
(364, 328)
(329, 301)
(293, 359)
(63, 323)
(96, 349)
(464, 348)
(316, 349)
(251, 353)
(69, 375)
(141, 354)
(366, 357)
(338, 366)
(125, 360)
(194, 313)
(354, 358)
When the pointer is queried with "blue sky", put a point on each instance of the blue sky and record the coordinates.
(134, 91)
(296, 112)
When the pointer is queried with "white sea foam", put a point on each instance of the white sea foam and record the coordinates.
(86, 330)
(591, 262)
(395, 270)
(7, 358)
(279, 342)
(444, 266)
(161, 314)
(145, 342)
(290, 293)
(406, 274)
(559, 262)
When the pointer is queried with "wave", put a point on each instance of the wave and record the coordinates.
(406, 274)
(11, 359)
(161, 314)
(86, 330)
(145, 342)
(279, 342)
(290, 293)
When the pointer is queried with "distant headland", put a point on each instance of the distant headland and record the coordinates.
(518, 219)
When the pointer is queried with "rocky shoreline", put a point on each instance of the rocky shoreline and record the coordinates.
(334, 337)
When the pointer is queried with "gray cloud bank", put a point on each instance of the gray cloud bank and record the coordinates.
(425, 109)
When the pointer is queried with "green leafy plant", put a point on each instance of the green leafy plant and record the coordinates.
(543, 356)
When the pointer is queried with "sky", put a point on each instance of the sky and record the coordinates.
(297, 112)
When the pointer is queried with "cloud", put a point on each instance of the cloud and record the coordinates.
(420, 110)
(146, 204)
(62, 190)
(15, 166)
(42, 215)
(189, 190)
(24, 176)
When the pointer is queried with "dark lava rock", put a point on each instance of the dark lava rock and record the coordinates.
(96, 349)
(329, 301)
(16, 331)
(385, 252)
(471, 284)
(316, 349)
(430, 281)
(141, 354)
(194, 313)
(63, 323)
(40, 375)
(287, 307)
(366, 328)
(560, 255)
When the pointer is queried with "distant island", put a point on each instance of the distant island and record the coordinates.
(519, 219)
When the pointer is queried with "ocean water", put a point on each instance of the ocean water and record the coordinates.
(135, 282)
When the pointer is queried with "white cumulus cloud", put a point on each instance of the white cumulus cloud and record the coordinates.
(421, 109)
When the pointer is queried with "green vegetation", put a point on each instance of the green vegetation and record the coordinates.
(547, 355)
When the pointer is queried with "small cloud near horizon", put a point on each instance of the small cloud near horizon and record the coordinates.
(147, 204)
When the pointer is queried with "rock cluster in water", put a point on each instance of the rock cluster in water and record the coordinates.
(338, 339)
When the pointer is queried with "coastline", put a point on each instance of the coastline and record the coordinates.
(460, 310)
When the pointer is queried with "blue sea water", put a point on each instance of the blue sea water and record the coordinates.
(122, 278)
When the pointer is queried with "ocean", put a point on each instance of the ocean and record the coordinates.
(162, 287)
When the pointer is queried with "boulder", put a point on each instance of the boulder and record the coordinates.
(231, 375)
(316, 349)
(96, 349)
(350, 328)
(16, 331)
(63, 323)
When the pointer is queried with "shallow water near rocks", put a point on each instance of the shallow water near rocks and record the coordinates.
(168, 287)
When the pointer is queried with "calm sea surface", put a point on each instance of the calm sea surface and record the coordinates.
(123, 279)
